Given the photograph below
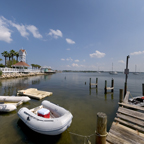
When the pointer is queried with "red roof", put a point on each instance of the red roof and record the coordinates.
(22, 50)
(21, 64)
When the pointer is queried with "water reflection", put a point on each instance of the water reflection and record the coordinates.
(92, 89)
(107, 94)
(30, 136)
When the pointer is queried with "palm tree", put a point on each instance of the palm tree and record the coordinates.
(12, 52)
(9, 56)
(0, 59)
(5, 54)
(17, 55)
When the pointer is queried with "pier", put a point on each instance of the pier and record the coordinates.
(128, 127)
(15, 70)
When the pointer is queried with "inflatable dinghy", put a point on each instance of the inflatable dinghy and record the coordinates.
(49, 119)
(10, 103)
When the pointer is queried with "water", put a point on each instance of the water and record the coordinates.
(71, 92)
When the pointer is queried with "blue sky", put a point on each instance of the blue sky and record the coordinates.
(75, 34)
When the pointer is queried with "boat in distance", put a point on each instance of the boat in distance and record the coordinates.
(48, 118)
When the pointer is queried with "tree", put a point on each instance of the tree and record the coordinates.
(9, 56)
(0, 59)
(12, 52)
(5, 54)
(17, 55)
(32, 65)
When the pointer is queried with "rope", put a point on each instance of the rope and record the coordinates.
(87, 137)
(97, 134)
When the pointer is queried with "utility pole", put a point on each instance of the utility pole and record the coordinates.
(126, 73)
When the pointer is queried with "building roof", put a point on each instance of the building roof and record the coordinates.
(21, 64)
(22, 50)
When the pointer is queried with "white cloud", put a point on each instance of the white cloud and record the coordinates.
(55, 33)
(84, 60)
(121, 61)
(68, 49)
(137, 53)
(5, 33)
(97, 54)
(63, 59)
(70, 41)
(76, 60)
(34, 31)
(21, 29)
(75, 65)
(69, 59)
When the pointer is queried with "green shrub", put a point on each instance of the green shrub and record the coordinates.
(0, 72)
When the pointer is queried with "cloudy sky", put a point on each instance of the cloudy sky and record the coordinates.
(75, 34)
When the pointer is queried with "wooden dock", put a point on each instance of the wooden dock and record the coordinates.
(34, 93)
(128, 127)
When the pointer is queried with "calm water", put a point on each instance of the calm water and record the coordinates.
(71, 92)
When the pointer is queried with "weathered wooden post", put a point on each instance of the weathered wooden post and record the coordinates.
(126, 73)
(90, 83)
(121, 95)
(105, 87)
(101, 128)
(96, 82)
(143, 89)
(112, 85)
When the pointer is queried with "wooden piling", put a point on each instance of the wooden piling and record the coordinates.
(143, 89)
(96, 82)
(90, 83)
(112, 85)
(125, 88)
(101, 128)
(105, 87)
(121, 95)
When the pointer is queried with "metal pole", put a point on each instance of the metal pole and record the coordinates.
(126, 73)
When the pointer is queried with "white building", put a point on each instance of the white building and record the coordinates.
(22, 55)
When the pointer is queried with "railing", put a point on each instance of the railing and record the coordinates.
(10, 70)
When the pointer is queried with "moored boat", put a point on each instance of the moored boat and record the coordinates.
(138, 101)
(48, 118)
(10, 103)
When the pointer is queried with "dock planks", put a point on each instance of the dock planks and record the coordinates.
(128, 127)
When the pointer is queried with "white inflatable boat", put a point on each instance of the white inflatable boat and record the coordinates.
(49, 119)
(10, 103)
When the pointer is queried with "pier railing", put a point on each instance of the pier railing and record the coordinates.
(14, 70)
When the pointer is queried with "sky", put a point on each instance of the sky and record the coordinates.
(75, 34)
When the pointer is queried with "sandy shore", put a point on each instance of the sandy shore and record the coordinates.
(17, 75)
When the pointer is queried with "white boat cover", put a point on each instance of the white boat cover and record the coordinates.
(48, 126)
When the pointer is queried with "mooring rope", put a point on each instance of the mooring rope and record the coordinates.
(86, 138)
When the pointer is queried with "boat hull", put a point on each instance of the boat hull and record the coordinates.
(50, 126)
(7, 107)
